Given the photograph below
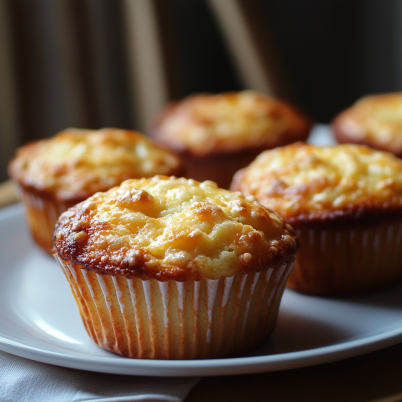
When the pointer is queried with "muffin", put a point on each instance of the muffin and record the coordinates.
(168, 268)
(375, 121)
(57, 173)
(216, 135)
(345, 204)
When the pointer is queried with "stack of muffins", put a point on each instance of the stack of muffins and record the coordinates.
(172, 268)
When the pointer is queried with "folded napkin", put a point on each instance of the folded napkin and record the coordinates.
(23, 380)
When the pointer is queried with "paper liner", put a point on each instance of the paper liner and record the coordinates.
(347, 261)
(42, 215)
(178, 320)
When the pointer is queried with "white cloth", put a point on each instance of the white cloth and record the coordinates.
(23, 380)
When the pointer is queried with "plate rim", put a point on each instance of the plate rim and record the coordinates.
(203, 367)
(207, 367)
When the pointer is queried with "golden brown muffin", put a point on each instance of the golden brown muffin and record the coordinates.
(345, 203)
(375, 121)
(219, 134)
(167, 268)
(56, 173)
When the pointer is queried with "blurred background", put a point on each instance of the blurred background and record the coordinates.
(98, 63)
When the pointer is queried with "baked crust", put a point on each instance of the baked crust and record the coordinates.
(375, 121)
(76, 164)
(167, 228)
(335, 187)
(207, 124)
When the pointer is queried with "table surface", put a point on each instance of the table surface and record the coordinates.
(374, 377)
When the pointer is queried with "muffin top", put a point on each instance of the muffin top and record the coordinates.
(375, 121)
(205, 123)
(75, 164)
(303, 182)
(168, 228)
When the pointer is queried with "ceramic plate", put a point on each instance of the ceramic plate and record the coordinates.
(39, 320)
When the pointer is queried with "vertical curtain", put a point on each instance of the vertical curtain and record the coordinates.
(10, 131)
(70, 64)
(99, 63)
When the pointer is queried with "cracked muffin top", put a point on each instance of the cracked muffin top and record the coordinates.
(375, 121)
(203, 124)
(77, 163)
(304, 183)
(168, 228)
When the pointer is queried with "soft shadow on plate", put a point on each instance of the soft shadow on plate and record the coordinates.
(296, 333)
(389, 297)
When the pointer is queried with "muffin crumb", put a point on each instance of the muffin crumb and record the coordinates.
(80, 237)
(247, 257)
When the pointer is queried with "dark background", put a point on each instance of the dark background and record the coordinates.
(65, 63)
(333, 51)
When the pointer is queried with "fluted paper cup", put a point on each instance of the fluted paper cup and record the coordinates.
(341, 261)
(151, 319)
(42, 216)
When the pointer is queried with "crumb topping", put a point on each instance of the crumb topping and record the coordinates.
(77, 163)
(173, 228)
(230, 121)
(305, 181)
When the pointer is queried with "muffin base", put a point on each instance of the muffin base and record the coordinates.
(41, 215)
(219, 168)
(345, 261)
(178, 320)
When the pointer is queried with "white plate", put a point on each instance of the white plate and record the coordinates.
(39, 319)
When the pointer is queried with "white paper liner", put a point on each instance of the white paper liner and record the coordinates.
(347, 261)
(42, 215)
(178, 320)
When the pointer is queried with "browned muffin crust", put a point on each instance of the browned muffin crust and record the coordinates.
(199, 231)
(375, 121)
(371, 212)
(207, 124)
(335, 187)
(77, 163)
